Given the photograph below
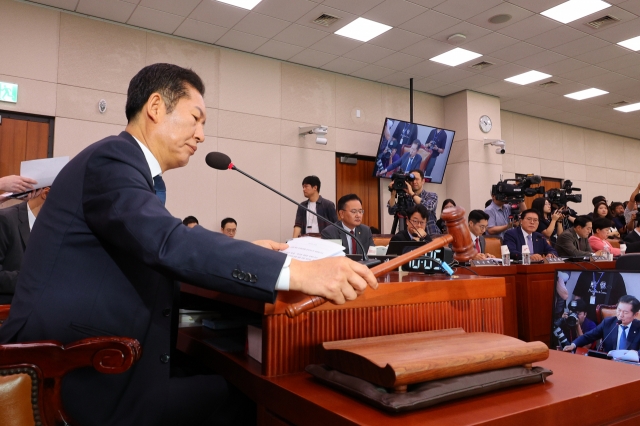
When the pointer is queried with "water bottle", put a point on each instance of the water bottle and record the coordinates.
(607, 252)
(506, 256)
(526, 258)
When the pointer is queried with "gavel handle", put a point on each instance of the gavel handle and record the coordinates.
(294, 309)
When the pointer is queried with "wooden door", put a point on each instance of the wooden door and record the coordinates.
(23, 138)
(548, 183)
(358, 179)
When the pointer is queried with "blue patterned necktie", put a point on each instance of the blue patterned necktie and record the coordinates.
(160, 188)
(623, 338)
(530, 243)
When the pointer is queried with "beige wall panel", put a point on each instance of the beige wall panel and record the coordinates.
(594, 189)
(201, 58)
(191, 190)
(395, 104)
(211, 125)
(428, 109)
(527, 165)
(484, 154)
(82, 104)
(550, 137)
(479, 105)
(631, 153)
(483, 175)
(72, 136)
(526, 139)
(506, 129)
(576, 171)
(350, 141)
(249, 84)
(354, 94)
(573, 144)
(290, 136)
(308, 95)
(614, 152)
(595, 174)
(99, 55)
(594, 147)
(458, 184)
(585, 206)
(256, 128)
(34, 97)
(455, 115)
(296, 164)
(459, 151)
(616, 177)
(254, 207)
(632, 180)
(509, 163)
(617, 193)
(552, 169)
(33, 50)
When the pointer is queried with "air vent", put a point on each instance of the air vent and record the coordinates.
(619, 104)
(325, 20)
(549, 84)
(603, 22)
(481, 65)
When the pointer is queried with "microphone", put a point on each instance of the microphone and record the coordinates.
(612, 330)
(220, 161)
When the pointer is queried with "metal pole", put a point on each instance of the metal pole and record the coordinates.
(411, 100)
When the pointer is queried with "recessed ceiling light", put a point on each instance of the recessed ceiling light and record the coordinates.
(527, 77)
(629, 108)
(632, 43)
(245, 4)
(586, 94)
(455, 57)
(363, 29)
(574, 9)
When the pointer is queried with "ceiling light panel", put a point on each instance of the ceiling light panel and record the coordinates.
(574, 9)
(245, 4)
(632, 43)
(527, 77)
(586, 94)
(455, 57)
(629, 108)
(363, 29)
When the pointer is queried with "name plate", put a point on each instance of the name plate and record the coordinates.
(599, 259)
(486, 262)
(553, 260)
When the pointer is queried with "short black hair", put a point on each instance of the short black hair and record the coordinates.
(418, 171)
(597, 205)
(637, 198)
(529, 211)
(312, 181)
(418, 208)
(170, 81)
(445, 202)
(601, 223)
(476, 216)
(582, 221)
(190, 219)
(227, 220)
(635, 303)
(614, 205)
(538, 205)
(595, 200)
(416, 142)
(580, 305)
(345, 199)
(488, 203)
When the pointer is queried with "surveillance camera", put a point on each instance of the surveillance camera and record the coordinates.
(500, 151)
(320, 130)
(496, 142)
(320, 140)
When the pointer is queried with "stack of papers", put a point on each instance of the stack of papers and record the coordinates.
(309, 248)
(624, 355)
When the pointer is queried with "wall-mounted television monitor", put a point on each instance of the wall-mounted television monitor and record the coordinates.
(408, 146)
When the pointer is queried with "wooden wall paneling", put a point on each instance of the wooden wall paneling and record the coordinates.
(13, 141)
(37, 142)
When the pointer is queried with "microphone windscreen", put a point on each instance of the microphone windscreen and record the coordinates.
(619, 321)
(218, 160)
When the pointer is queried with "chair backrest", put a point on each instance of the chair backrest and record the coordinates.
(492, 246)
(31, 375)
(605, 311)
(4, 312)
(629, 262)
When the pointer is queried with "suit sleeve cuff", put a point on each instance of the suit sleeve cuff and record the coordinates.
(285, 275)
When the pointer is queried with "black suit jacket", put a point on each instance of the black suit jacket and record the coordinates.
(404, 161)
(439, 139)
(410, 135)
(607, 329)
(569, 245)
(363, 234)
(14, 234)
(632, 237)
(103, 260)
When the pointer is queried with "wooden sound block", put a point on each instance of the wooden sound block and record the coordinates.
(399, 360)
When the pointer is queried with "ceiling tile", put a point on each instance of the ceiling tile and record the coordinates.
(452, 75)
(517, 14)
(399, 61)
(427, 68)
(530, 27)
(201, 31)
(475, 81)
(428, 48)
(181, 8)
(394, 12)
(517, 51)
(241, 41)
(220, 14)
(537, 6)
(397, 79)
(357, 7)
(113, 10)
(622, 15)
(300, 35)
(426, 85)
(600, 81)
(63, 4)
(632, 6)
(132, 1)
(584, 73)
(429, 23)
(428, 3)
(472, 32)
(541, 59)
(603, 54)
(562, 67)
(556, 37)
(622, 85)
(631, 71)
(495, 88)
(517, 91)
(336, 45)
(368, 53)
(312, 58)
(620, 31)
(308, 18)
(490, 43)
(622, 62)
(447, 90)
(464, 9)
(288, 10)
(543, 98)
(155, 20)
(565, 87)
(504, 71)
(580, 46)
(261, 25)
(495, 61)
(278, 50)
(344, 65)
(372, 72)
(396, 39)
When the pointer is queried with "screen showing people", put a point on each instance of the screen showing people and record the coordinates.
(576, 321)
(408, 146)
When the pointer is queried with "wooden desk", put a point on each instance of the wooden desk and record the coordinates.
(570, 395)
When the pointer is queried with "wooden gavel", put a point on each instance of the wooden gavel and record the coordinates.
(459, 235)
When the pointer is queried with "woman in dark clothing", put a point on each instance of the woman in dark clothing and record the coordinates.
(440, 222)
(550, 224)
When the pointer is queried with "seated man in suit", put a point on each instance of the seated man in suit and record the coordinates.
(627, 335)
(574, 242)
(409, 161)
(229, 227)
(633, 236)
(526, 234)
(350, 214)
(478, 221)
(416, 223)
(15, 227)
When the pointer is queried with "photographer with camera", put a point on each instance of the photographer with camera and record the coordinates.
(406, 192)
(501, 218)
(550, 223)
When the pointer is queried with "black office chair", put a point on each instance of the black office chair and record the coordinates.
(628, 262)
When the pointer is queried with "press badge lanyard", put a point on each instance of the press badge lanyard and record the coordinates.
(594, 288)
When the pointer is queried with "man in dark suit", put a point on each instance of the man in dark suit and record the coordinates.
(633, 236)
(627, 336)
(105, 257)
(350, 214)
(574, 242)
(478, 221)
(15, 228)
(436, 142)
(526, 234)
(409, 160)
(405, 133)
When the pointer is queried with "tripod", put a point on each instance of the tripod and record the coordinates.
(400, 217)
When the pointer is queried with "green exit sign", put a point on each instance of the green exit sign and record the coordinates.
(8, 92)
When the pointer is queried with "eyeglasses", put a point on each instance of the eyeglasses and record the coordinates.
(354, 211)
(418, 222)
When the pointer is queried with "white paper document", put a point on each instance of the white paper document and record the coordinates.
(44, 170)
(309, 248)
(624, 355)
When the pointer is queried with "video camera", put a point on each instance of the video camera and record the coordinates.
(398, 181)
(563, 195)
(513, 194)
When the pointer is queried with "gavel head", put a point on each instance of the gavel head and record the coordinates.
(457, 227)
